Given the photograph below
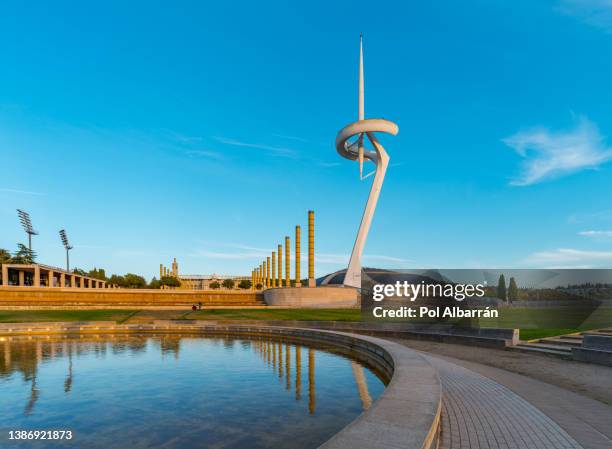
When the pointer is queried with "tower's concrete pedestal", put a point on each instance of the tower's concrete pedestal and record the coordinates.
(313, 298)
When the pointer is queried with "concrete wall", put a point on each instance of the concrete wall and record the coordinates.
(16, 296)
(595, 349)
(313, 298)
(484, 337)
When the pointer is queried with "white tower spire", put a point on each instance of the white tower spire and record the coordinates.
(361, 103)
(361, 107)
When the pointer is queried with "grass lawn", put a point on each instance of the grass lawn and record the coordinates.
(25, 316)
(276, 314)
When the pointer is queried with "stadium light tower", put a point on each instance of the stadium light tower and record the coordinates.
(24, 218)
(68, 247)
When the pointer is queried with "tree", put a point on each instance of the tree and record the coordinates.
(228, 283)
(245, 284)
(155, 284)
(512, 290)
(23, 255)
(5, 256)
(258, 287)
(116, 280)
(215, 285)
(501, 287)
(170, 281)
(97, 274)
(79, 272)
(134, 281)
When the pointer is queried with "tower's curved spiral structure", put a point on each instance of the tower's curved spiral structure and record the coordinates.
(350, 145)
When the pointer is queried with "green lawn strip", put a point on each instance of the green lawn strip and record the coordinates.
(278, 314)
(26, 316)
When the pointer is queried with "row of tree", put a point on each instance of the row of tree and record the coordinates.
(130, 280)
(509, 294)
(245, 284)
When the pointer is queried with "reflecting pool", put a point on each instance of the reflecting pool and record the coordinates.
(179, 391)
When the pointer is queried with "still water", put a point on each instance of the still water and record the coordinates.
(175, 391)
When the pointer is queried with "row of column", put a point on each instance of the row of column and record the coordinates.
(64, 279)
(269, 273)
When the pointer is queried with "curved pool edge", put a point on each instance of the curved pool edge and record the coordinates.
(406, 415)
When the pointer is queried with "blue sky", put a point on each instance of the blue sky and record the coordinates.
(204, 131)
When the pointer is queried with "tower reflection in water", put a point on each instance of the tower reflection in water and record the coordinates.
(284, 360)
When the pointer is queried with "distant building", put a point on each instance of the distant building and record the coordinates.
(198, 281)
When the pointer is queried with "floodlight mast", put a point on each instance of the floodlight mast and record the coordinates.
(24, 218)
(68, 247)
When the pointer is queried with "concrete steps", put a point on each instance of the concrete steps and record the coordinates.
(552, 350)
(562, 341)
(560, 346)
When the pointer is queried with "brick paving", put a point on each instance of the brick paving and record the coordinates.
(479, 413)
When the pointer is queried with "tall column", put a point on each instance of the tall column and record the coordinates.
(5, 274)
(273, 269)
(161, 270)
(73, 281)
(36, 276)
(265, 283)
(298, 282)
(50, 279)
(279, 274)
(287, 262)
(311, 271)
(62, 280)
(267, 272)
(21, 278)
(262, 275)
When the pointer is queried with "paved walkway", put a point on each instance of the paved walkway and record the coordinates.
(573, 395)
(479, 413)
